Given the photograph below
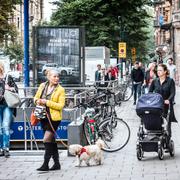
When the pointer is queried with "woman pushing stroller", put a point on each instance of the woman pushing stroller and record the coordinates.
(165, 86)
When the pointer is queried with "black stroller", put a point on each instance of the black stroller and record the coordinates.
(153, 133)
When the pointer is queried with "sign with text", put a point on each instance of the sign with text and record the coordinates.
(60, 48)
(17, 131)
(122, 50)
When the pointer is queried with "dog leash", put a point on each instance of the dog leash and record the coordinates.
(48, 117)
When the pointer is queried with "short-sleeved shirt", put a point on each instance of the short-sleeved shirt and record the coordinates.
(172, 70)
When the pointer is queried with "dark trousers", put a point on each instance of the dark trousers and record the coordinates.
(137, 91)
(168, 118)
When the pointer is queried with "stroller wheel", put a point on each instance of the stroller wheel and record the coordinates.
(139, 153)
(171, 148)
(160, 153)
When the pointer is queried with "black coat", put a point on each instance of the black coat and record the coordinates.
(167, 90)
(137, 75)
(105, 84)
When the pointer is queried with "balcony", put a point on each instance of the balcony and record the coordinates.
(176, 17)
(156, 2)
(166, 25)
(156, 23)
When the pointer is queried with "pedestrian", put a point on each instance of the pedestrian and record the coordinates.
(6, 113)
(50, 95)
(155, 69)
(141, 65)
(113, 74)
(172, 68)
(104, 78)
(165, 86)
(97, 74)
(150, 75)
(137, 77)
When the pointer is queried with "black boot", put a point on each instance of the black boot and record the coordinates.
(48, 153)
(55, 157)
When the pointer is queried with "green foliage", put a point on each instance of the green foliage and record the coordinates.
(6, 11)
(105, 20)
(15, 52)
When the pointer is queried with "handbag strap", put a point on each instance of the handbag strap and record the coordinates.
(6, 79)
(49, 119)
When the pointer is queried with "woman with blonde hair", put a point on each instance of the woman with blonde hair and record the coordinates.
(6, 113)
(51, 96)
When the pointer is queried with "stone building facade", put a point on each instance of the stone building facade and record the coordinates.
(35, 16)
(176, 33)
(167, 31)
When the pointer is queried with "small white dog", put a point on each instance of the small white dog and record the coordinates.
(87, 153)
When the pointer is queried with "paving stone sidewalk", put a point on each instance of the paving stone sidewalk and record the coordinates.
(121, 165)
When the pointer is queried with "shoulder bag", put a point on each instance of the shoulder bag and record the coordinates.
(12, 99)
(33, 119)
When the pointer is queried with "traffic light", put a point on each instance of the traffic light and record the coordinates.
(133, 51)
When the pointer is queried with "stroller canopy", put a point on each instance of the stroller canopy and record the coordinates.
(150, 101)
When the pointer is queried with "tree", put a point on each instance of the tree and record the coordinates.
(15, 52)
(8, 32)
(6, 13)
(104, 19)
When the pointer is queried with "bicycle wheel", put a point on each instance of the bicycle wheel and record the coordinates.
(127, 94)
(118, 97)
(90, 131)
(114, 137)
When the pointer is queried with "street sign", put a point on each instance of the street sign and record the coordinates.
(122, 50)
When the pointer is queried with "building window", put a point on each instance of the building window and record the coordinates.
(164, 37)
(178, 4)
(18, 23)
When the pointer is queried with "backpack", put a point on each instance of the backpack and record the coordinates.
(2, 89)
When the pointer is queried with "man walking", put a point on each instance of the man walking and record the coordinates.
(98, 74)
(172, 68)
(137, 77)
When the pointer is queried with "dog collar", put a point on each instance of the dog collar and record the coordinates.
(83, 150)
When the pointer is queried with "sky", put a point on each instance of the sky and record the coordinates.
(48, 9)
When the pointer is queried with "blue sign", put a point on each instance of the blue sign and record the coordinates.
(161, 19)
(18, 131)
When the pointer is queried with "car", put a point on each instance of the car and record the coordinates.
(49, 66)
(63, 70)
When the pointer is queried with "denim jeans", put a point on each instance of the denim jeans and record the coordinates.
(137, 90)
(6, 117)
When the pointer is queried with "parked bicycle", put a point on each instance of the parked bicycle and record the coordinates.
(114, 131)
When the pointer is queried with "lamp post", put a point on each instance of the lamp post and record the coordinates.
(26, 43)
